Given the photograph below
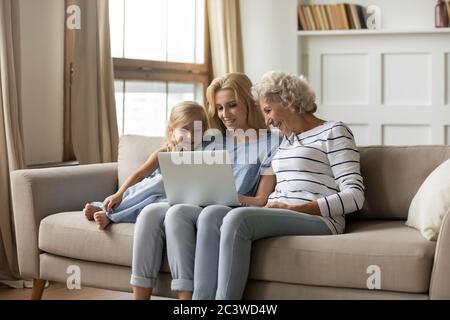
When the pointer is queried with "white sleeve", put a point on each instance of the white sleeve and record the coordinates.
(344, 159)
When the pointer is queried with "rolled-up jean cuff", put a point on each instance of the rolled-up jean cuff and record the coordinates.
(142, 282)
(182, 285)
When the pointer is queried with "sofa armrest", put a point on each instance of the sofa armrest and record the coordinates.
(440, 280)
(37, 193)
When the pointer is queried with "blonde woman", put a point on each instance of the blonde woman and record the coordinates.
(145, 185)
(193, 232)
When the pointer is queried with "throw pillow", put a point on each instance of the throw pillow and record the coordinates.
(431, 203)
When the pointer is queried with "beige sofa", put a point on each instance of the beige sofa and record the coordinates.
(52, 234)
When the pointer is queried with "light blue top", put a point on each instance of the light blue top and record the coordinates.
(250, 160)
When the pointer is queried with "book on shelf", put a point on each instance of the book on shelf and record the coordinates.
(318, 17)
(351, 19)
(362, 16)
(341, 16)
(309, 18)
(335, 16)
(301, 19)
(324, 17)
(330, 19)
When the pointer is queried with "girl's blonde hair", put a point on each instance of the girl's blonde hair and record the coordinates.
(183, 114)
(241, 86)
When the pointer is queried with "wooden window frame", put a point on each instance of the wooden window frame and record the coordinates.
(69, 56)
(149, 70)
(167, 71)
(134, 69)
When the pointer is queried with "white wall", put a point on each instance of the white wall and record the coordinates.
(42, 64)
(391, 87)
(269, 30)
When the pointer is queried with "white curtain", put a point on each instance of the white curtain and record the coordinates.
(225, 36)
(93, 110)
(11, 142)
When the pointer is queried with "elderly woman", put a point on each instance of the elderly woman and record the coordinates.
(318, 180)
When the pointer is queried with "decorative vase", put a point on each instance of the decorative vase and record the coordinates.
(441, 15)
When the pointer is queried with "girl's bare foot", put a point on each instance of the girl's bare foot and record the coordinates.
(101, 219)
(89, 211)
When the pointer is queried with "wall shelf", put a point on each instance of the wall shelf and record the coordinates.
(391, 86)
(366, 32)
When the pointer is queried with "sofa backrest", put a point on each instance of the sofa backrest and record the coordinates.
(134, 150)
(392, 175)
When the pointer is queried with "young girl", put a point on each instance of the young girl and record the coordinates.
(145, 185)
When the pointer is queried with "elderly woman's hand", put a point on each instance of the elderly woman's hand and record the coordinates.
(278, 205)
(309, 208)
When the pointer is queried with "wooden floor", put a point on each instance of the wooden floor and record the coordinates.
(58, 291)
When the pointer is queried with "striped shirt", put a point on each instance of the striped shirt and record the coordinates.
(320, 164)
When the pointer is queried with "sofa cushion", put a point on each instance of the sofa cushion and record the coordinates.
(392, 176)
(404, 257)
(133, 151)
(70, 234)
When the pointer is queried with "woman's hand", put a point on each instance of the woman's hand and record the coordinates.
(311, 208)
(242, 199)
(112, 201)
(252, 201)
(278, 205)
(265, 188)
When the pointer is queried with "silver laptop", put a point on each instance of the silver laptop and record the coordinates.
(198, 177)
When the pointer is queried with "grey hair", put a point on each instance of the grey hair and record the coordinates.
(292, 91)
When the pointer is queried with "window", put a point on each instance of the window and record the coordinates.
(160, 58)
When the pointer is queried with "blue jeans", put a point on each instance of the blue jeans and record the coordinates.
(185, 224)
(157, 226)
(148, 244)
(218, 256)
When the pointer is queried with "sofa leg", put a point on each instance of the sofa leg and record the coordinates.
(38, 289)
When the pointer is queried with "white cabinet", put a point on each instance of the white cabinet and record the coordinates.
(391, 86)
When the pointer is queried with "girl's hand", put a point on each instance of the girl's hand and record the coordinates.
(277, 205)
(112, 201)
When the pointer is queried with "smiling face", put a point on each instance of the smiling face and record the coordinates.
(277, 114)
(232, 113)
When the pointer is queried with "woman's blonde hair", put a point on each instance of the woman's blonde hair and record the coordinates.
(241, 86)
(292, 91)
(183, 114)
